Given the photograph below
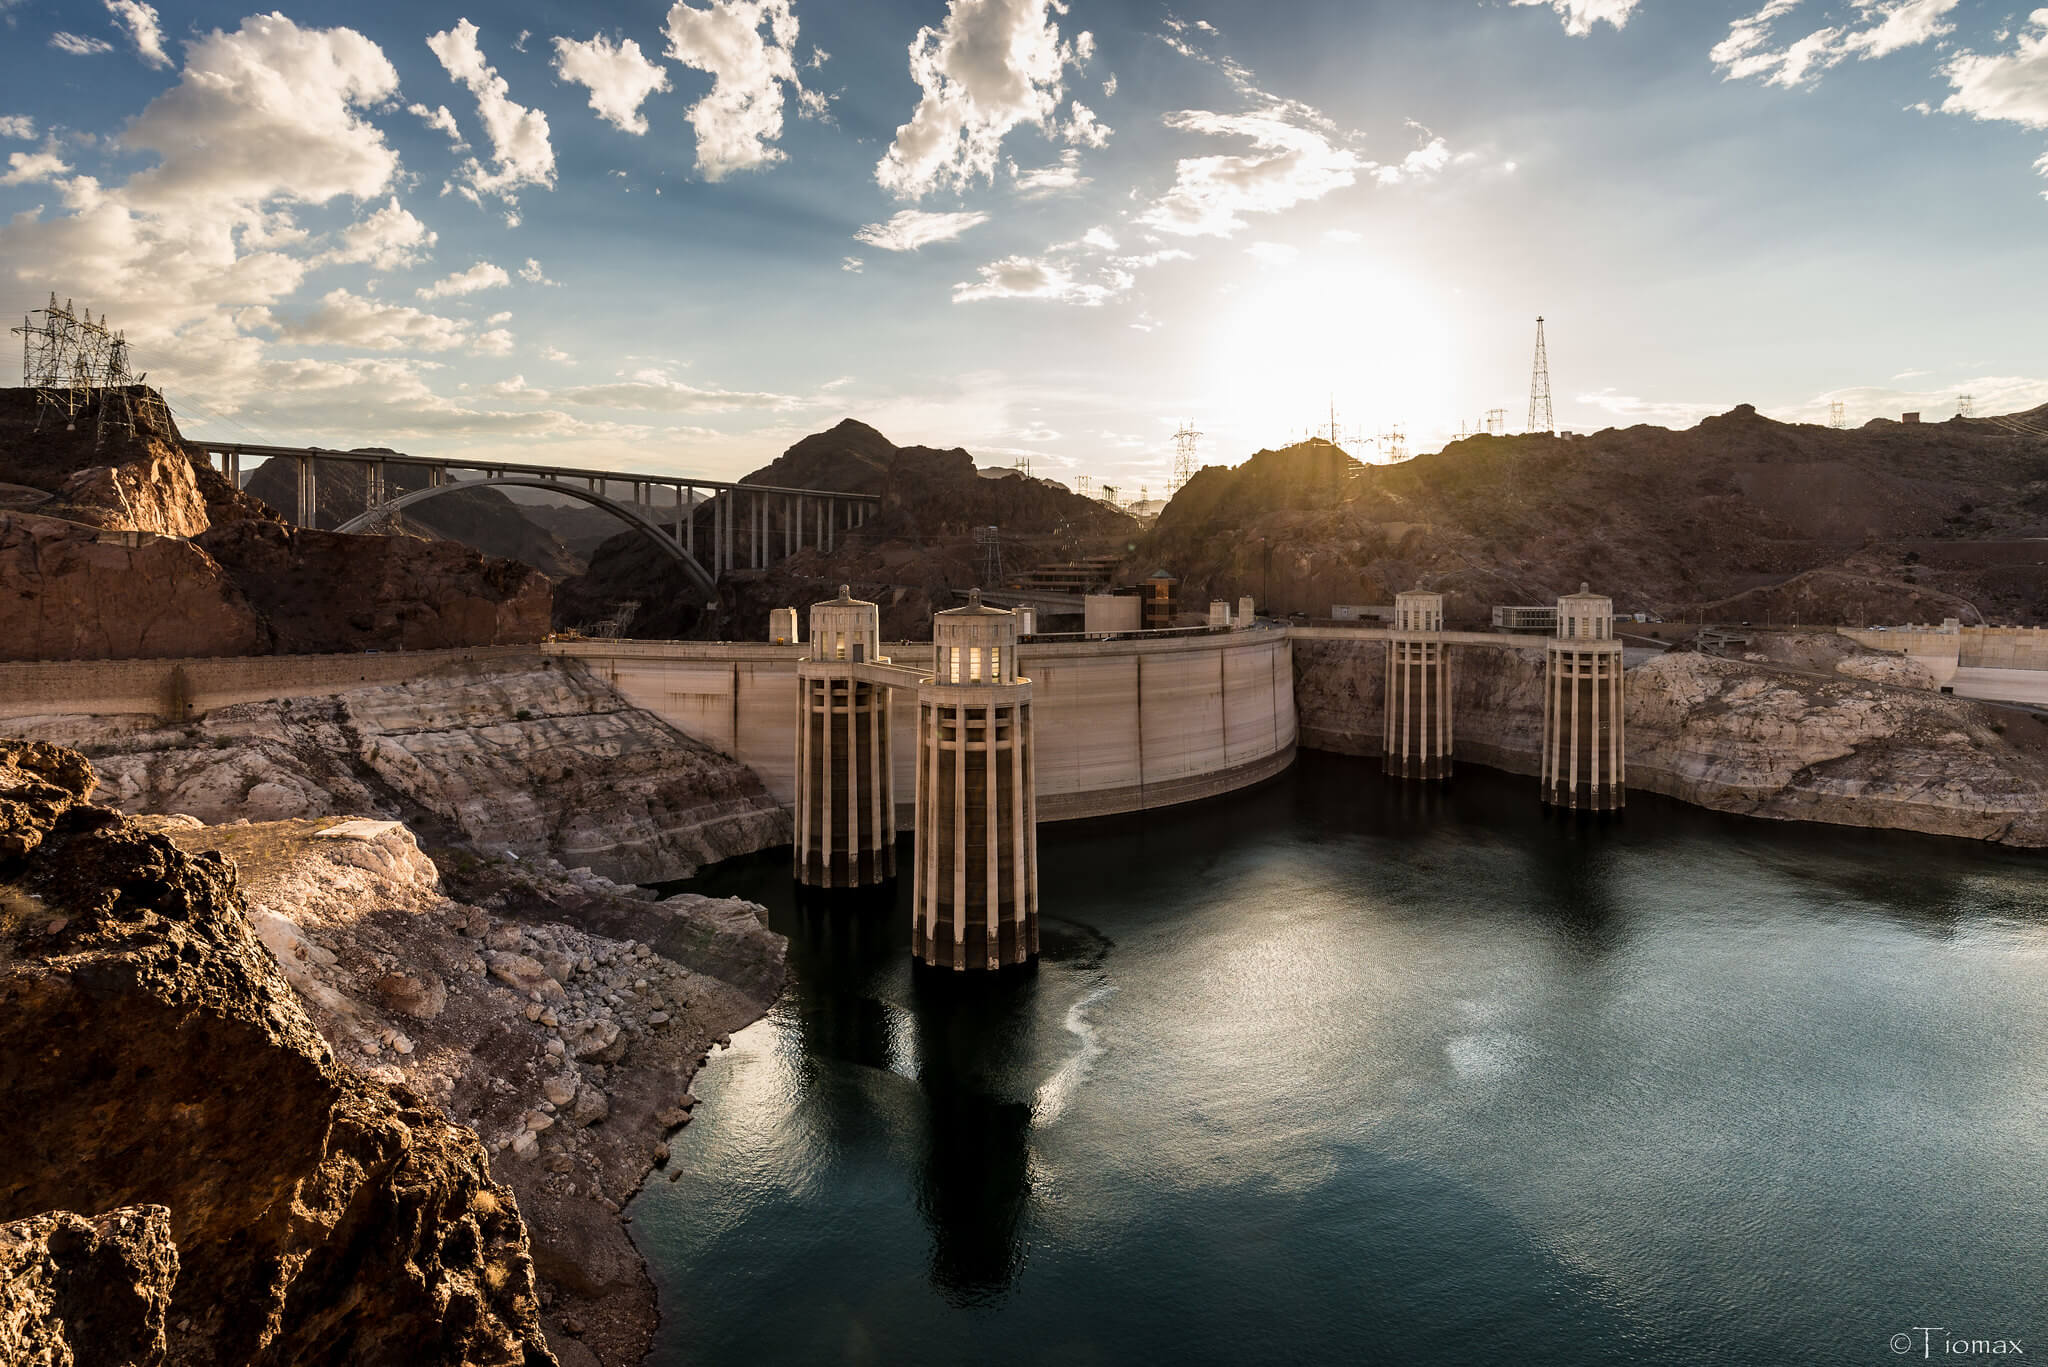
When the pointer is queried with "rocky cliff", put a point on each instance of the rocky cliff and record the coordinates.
(323, 592)
(535, 757)
(554, 1013)
(74, 592)
(1909, 520)
(1838, 744)
(153, 1054)
(78, 1292)
(228, 577)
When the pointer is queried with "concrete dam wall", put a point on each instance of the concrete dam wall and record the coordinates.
(1123, 726)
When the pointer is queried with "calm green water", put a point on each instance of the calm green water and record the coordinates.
(1336, 1071)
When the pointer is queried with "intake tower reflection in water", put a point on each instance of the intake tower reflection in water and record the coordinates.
(1350, 1069)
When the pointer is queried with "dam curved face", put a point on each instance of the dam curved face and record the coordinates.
(1121, 726)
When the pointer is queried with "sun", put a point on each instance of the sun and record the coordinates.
(1292, 338)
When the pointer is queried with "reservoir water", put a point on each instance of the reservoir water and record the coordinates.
(1341, 1071)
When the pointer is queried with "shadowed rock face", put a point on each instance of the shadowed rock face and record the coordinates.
(153, 1054)
(1732, 516)
(87, 1293)
(326, 591)
(483, 519)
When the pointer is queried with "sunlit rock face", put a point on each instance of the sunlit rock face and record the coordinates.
(75, 592)
(1744, 736)
(154, 1055)
(536, 757)
(87, 1292)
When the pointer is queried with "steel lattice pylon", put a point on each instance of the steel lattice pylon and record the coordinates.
(76, 366)
(1540, 417)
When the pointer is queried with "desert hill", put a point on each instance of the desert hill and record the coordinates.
(1738, 517)
(482, 519)
(912, 553)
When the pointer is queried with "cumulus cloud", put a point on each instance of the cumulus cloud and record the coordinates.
(80, 46)
(441, 121)
(742, 115)
(143, 28)
(521, 152)
(913, 228)
(851, 264)
(496, 342)
(388, 239)
(2010, 86)
(988, 67)
(1292, 162)
(269, 111)
(345, 319)
(1425, 161)
(1058, 178)
(1580, 15)
(26, 168)
(1048, 277)
(1752, 48)
(532, 274)
(1082, 129)
(482, 276)
(191, 254)
(17, 126)
(618, 76)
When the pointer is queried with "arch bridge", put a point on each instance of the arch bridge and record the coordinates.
(748, 526)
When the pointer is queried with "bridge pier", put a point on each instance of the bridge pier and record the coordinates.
(1418, 695)
(1584, 766)
(975, 906)
(845, 782)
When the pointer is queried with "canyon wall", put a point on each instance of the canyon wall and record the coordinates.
(508, 754)
(153, 1055)
(1744, 736)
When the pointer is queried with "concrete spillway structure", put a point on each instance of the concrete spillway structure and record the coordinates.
(1584, 767)
(1418, 722)
(846, 786)
(976, 902)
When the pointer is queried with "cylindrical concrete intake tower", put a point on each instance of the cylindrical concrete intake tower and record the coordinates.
(845, 785)
(1418, 729)
(1584, 766)
(976, 904)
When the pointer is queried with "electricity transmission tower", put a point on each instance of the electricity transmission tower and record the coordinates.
(1966, 406)
(1394, 445)
(989, 541)
(1022, 465)
(1540, 417)
(1184, 445)
(77, 366)
(1496, 422)
(1838, 415)
(1084, 486)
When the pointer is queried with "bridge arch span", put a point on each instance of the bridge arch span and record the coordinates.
(653, 531)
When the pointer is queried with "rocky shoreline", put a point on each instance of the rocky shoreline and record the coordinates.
(530, 1039)
(1829, 734)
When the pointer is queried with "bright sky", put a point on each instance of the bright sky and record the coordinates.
(677, 239)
